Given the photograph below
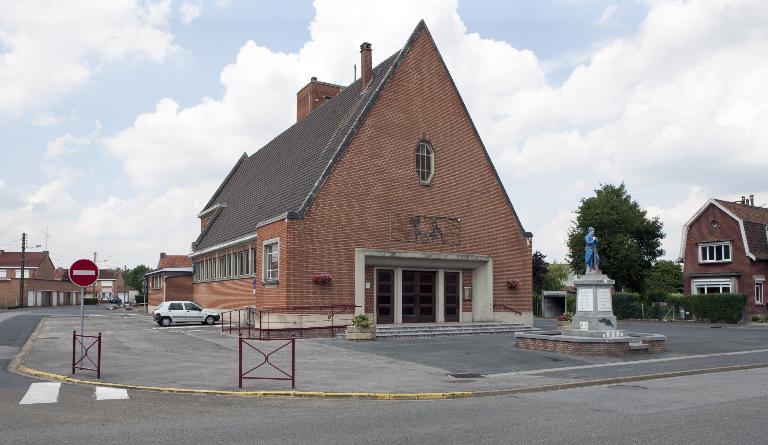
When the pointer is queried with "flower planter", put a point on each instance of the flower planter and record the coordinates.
(361, 334)
(565, 324)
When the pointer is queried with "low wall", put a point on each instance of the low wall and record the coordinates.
(566, 344)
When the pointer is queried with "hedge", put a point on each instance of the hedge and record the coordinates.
(715, 308)
(139, 299)
(90, 301)
(627, 305)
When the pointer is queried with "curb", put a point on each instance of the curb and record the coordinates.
(22, 369)
(16, 366)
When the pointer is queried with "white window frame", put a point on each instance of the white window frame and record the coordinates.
(711, 248)
(712, 282)
(270, 275)
(420, 162)
(3, 274)
(760, 291)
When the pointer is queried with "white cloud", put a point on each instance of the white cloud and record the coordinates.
(677, 111)
(50, 48)
(607, 14)
(68, 143)
(189, 11)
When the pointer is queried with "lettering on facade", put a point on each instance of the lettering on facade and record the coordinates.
(425, 229)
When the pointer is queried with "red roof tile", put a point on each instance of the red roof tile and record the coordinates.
(174, 261)
(13, 259)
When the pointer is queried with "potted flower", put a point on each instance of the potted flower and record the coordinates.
(322, 278)
(563, 321)
(361, 329)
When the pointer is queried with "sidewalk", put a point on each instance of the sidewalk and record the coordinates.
(138, 352)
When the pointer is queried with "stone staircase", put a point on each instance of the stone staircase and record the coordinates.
(447, 329)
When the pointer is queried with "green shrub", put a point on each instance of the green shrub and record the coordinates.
(89, 300)
(657, 296)
(627, 305)
(757, 318)
(140, 299)
(658, 311)
(570, 304)
(715, 308)
(361, 321)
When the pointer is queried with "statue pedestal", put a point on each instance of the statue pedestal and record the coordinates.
(594, 308)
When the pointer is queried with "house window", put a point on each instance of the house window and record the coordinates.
(712, 286)
(271, 261)
(715, 252)
(425, 162)
(759, 296)
(253, 261)
(3, 274)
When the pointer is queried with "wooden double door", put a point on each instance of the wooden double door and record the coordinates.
(419, 296)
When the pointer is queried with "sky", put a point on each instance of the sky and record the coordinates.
(119, 119)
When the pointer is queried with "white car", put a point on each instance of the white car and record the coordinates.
(183, 312)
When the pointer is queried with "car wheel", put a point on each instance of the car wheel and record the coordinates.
(165, 321)
(210, 320)
(159, 323)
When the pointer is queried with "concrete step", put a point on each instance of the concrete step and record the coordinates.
(439, 326)
(450, 329)
(638, 347)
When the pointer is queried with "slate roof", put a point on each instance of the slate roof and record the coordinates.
(174, 261)
(281, 179)
(13, 259)
(755, 222)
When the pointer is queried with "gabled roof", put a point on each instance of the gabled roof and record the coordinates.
(167, 261)
(13, 259)
(281, 179)
(753, 225)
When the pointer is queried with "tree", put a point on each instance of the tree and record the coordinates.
(557, 274)
(133, 278)
(629, 241)
(539, 271)
(665, 277)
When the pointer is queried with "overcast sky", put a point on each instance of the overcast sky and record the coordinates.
(120, 118)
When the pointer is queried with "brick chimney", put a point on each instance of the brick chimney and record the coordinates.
(314, 94)
(366, 66)
(162, 254)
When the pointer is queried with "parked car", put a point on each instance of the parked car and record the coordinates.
(183, 312)
(116, 301)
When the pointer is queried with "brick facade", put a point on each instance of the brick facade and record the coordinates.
(374, 181)
(712, 225)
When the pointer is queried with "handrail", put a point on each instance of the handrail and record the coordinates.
(507, 307)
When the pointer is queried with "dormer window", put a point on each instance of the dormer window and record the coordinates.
(719, 252)
(425, 162)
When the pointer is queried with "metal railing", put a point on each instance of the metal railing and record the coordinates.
(506, 308)
(266, 357)
(257, 322)
(79, 364)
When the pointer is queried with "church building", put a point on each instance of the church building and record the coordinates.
(381, 195)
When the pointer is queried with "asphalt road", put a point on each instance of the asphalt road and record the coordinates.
(711, 409)
(714, 408)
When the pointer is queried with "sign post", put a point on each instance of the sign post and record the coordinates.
(83, 273)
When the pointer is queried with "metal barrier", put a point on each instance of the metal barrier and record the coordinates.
(506, 308)
(78, 364)
(250, 319)
(266, 360)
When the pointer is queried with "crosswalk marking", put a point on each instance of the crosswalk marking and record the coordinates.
(48, 392)
(41, 393)
(106, 393)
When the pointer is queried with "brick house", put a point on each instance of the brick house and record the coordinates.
(109, 285)
(171, 280)
(42, 286)
(385, 187)
(724, 249)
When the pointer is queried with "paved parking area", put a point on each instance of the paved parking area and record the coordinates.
(137, 351)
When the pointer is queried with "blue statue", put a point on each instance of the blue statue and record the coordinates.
(591, 258)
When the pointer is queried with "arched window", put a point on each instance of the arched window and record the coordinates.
(425, 162)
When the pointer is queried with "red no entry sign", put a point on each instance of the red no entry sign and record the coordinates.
(83, 272)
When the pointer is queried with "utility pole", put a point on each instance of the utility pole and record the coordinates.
(21, 280)
(94, 283)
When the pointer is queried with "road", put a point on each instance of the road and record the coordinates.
(713, 408)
